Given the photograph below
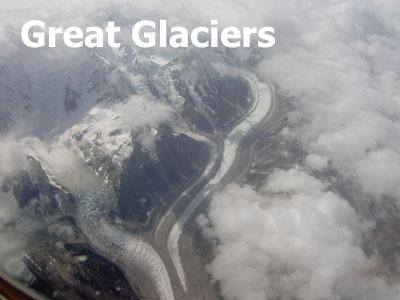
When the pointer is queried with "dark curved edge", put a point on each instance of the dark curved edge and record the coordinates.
(13, 290)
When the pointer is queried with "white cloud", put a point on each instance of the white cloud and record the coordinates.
(316, 162)
(291, 243)
(342, 73)
(379, 173)
(295, 181)
(338, 63)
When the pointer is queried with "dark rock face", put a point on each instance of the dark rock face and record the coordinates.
(25, 189)
(72, 99)
(75, 271)
(36, 195)
(149, 184)
(227, 99)
(211, 102)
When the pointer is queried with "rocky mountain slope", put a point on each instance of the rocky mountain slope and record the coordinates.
(132, 119)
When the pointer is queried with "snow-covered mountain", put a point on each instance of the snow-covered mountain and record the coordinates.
(142, 123)
(130, 114)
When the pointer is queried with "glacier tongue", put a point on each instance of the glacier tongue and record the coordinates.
(94, 199)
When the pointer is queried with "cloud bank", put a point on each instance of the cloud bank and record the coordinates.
(296, 239)
(338, 64)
